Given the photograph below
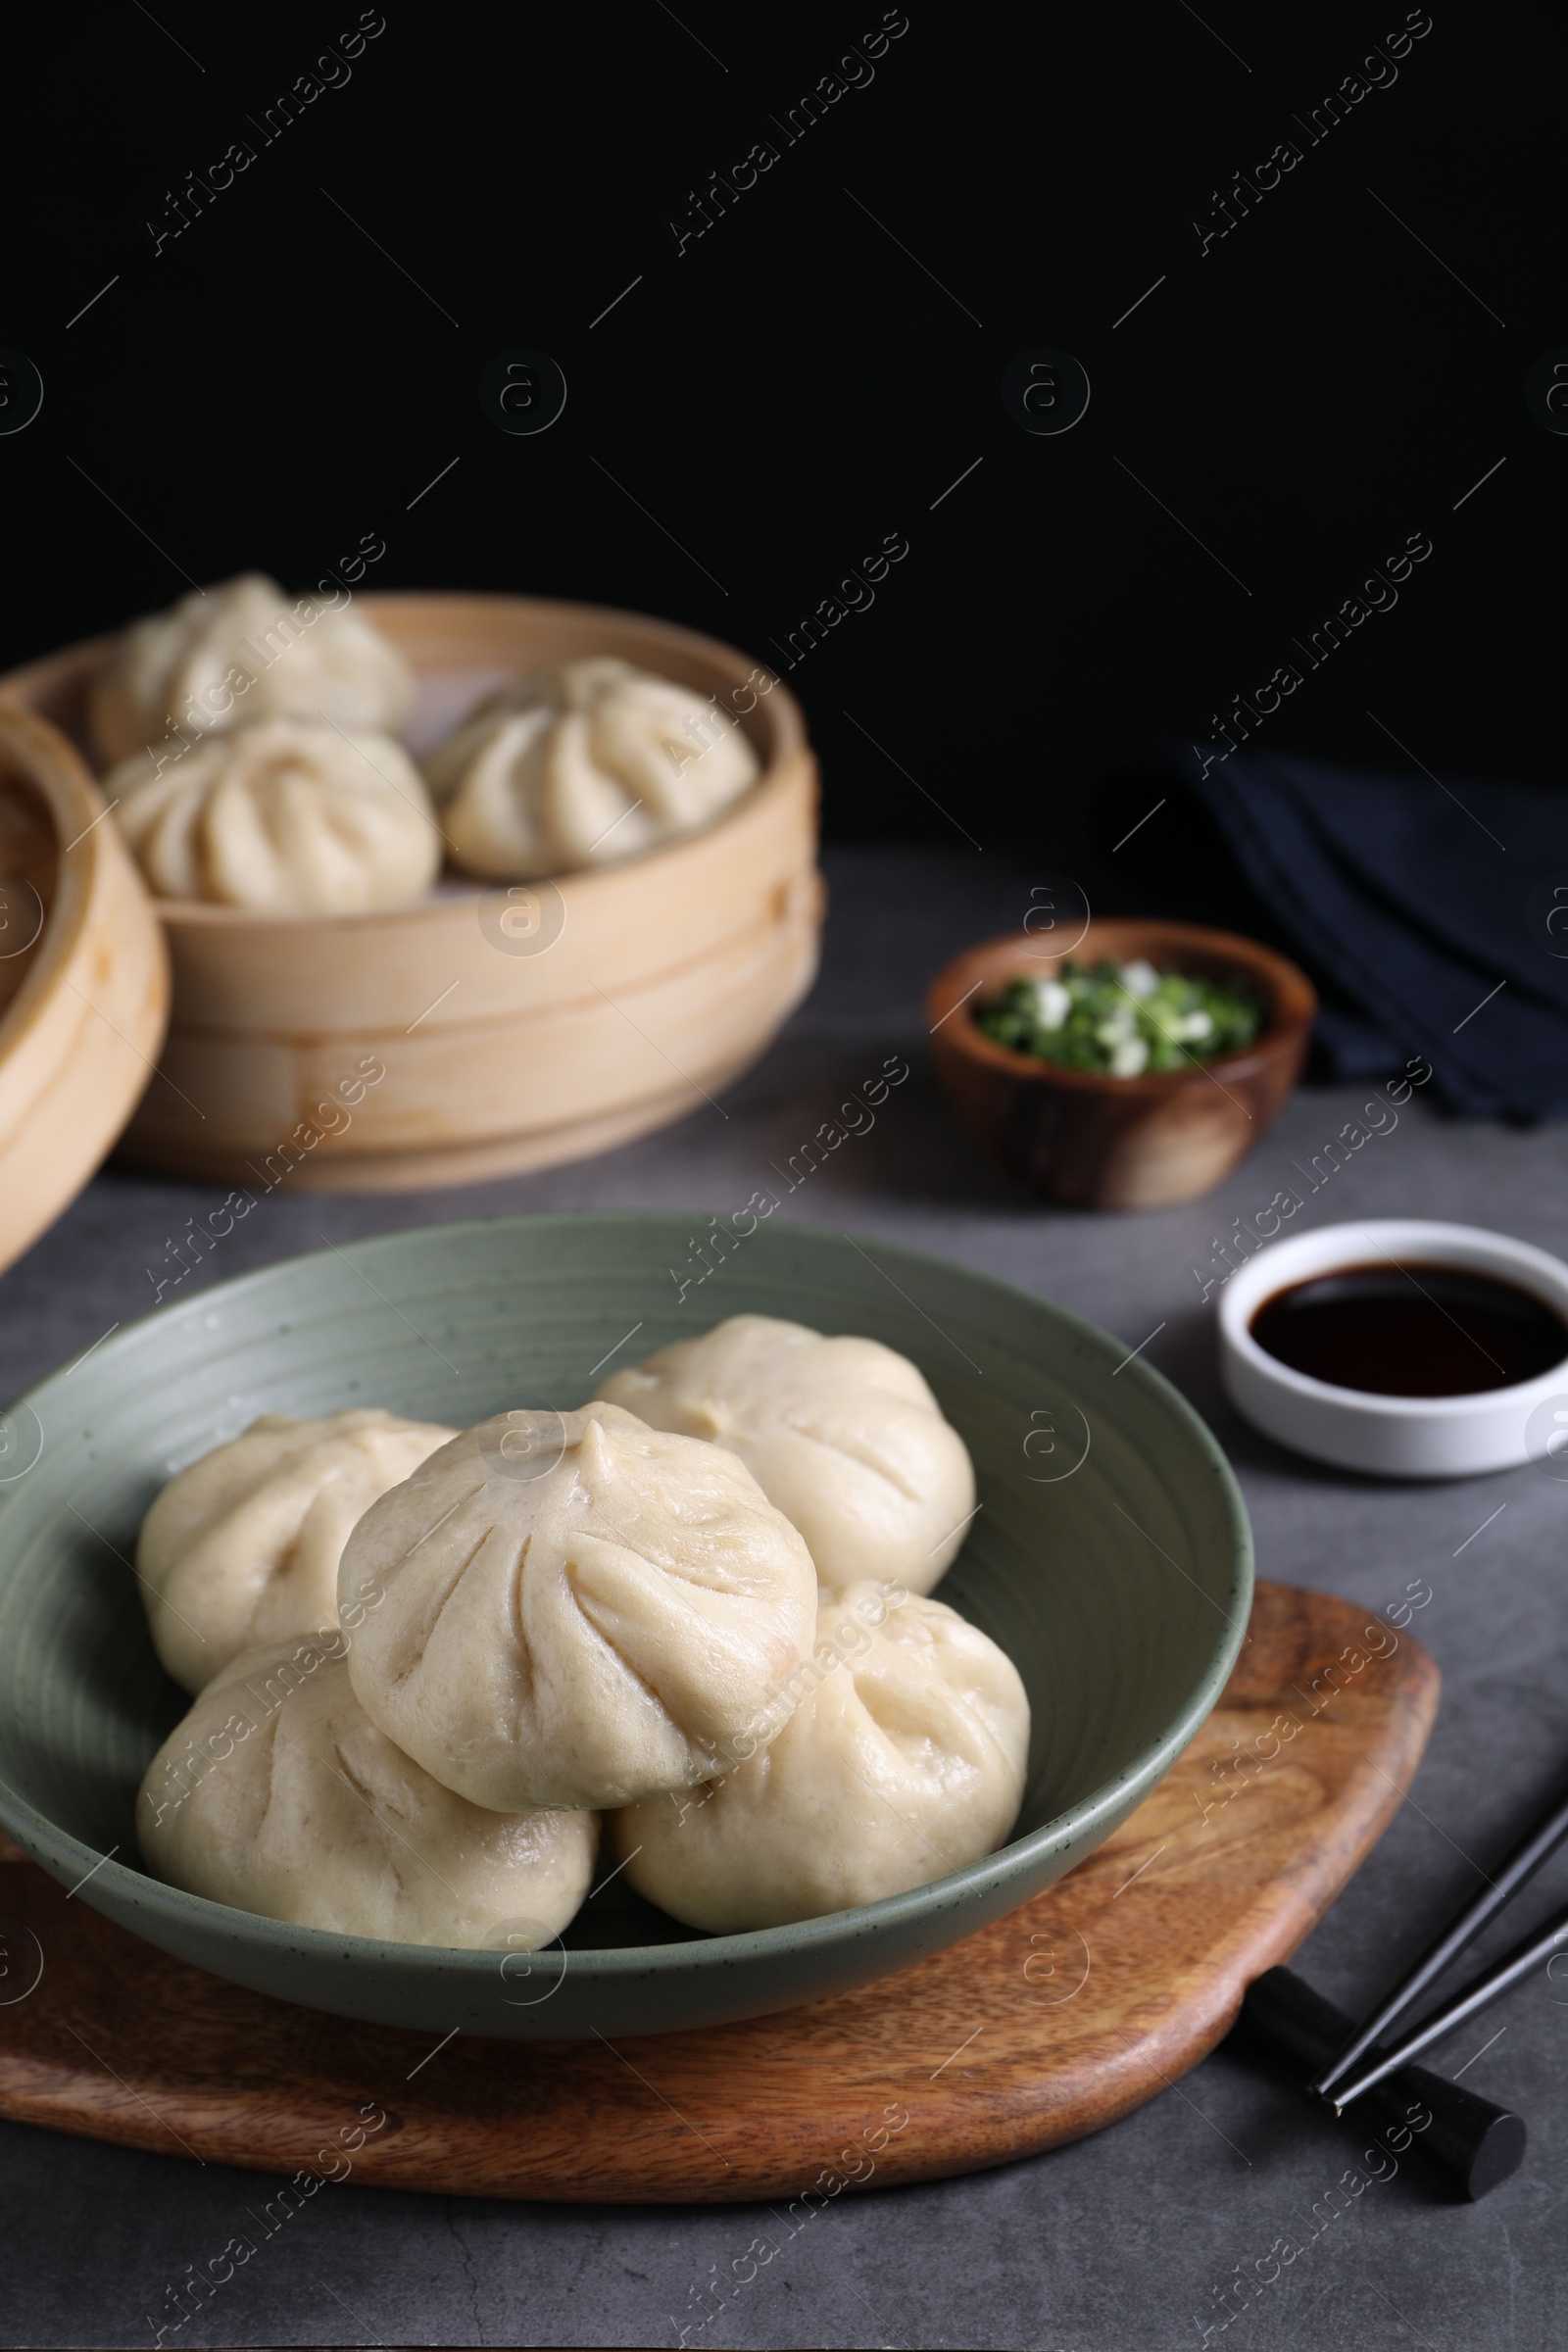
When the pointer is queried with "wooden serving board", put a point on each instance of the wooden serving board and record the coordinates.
(1044, 2027)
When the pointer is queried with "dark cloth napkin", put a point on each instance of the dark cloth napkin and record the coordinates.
(1422, 910)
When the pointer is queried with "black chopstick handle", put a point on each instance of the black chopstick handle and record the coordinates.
(1475, 2144)
(1479, 1993)
(1536, 1844)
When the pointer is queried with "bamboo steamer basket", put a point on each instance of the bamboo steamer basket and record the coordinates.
(515, 1030)
(83, 979)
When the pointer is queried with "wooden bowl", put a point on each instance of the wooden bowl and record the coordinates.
(1119, 1143)
(83, 981)
(511, 1031)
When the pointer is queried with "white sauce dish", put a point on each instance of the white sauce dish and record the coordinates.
(1494, 1427)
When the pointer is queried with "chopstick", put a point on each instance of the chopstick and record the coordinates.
(1479, 1990)
(1536, 1844)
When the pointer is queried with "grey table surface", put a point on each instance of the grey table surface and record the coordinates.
(1119, 2242)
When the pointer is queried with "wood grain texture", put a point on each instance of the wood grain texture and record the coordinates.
(661, 979)
(1045, 2027)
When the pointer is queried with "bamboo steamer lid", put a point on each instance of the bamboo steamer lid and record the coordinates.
(83, 979)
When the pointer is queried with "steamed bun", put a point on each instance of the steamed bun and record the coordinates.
(579, 1610)
(581, 764)
(290, 818)
(903, 1759)
(842, 1433)
(230, 656)
(243, 1544)
(277, 1795)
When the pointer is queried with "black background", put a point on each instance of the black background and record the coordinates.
(795, 385)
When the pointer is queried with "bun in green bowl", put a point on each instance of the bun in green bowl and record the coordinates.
(1111, 1557)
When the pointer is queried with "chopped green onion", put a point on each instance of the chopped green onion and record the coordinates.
(1123, 1021)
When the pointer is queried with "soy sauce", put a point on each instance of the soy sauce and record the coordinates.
(1411, 1329)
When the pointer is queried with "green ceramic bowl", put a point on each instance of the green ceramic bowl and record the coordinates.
(1110, 1559)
